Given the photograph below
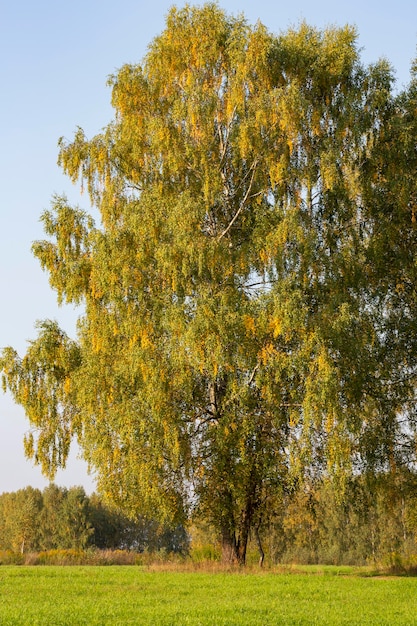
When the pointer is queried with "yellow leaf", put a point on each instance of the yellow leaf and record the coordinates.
(249, 323)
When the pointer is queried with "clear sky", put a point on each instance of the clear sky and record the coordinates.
(55, 58)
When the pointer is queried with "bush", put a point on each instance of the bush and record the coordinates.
(8, 557)
(205, 552)
(60, 557)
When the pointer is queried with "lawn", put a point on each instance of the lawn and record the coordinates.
(58, 596)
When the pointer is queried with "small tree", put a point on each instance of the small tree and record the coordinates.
(19, 520)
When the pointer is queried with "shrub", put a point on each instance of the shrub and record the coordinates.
(8, 557)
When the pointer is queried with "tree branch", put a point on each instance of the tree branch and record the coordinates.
(242, 204)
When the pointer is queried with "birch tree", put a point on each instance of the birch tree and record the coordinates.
(226, 342)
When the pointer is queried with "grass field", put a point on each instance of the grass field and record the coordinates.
(77, 595)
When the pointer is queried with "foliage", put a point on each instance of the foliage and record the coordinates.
(240, 329)
(8, 557)
(61, 523)
(373, 521)
(19, 519)
(64, 522)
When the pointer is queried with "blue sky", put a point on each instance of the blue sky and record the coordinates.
(55, 60)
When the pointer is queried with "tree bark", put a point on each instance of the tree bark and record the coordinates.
(228, 547)
(235, 536)
(260, 548)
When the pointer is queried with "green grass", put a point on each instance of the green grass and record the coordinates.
(58, 596)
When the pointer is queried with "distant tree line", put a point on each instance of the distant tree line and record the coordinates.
(59, 518)
(370, 519)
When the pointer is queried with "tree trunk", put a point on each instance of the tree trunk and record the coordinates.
(260, 548)
(234, 550)
(235, 536)
(242, 542)
(228, 547)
